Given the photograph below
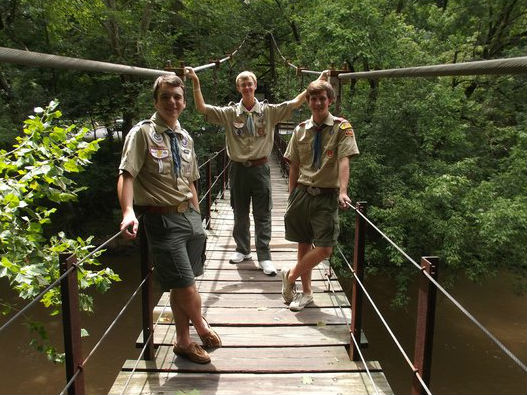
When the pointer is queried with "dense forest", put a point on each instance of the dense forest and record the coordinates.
(443, 162)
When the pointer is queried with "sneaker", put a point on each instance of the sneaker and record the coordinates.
(238, 257)
(288, 289)
(267, 267)
(193, 352)
(300, 301)
(211, 339)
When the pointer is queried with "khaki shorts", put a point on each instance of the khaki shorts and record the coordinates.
(177, 244)
(312, 219)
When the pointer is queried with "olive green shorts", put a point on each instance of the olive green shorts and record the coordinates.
(177, 243)
(312, 219)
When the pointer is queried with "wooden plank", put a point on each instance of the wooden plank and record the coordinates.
(320, 299)
(265, 336)
(255, 286)
(334, 383)
(257, 360)
(254, 274)
(260, 317)
(225, 254)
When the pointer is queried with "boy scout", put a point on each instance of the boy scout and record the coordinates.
(249, 136)
(318, 152)
(157, 173)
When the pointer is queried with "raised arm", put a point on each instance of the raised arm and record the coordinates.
(196, 89)
(299, 100)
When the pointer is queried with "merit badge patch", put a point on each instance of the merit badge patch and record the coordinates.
(158, 139)
(184, 141)
(329, 153)
(159, 153)
(261, 132)
(238, 125)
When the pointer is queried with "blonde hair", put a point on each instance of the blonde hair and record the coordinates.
(245, 75)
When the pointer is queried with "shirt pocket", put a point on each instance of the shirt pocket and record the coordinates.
(159, 160)
(186, 162)
(305, 153)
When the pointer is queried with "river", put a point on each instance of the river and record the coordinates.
(464, 360)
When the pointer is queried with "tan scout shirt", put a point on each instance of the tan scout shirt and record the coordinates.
(148, 158)
(338, 141)
(241, 145)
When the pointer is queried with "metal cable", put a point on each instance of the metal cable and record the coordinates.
(145, 345)
(214, 155)
(348, 324)
(58, 280)
(212, 186)
(450, 297)
(401, 350)
(37, 59)
(516, 65)
(105, 334)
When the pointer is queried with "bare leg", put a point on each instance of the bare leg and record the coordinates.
(308, 258)
(186, 305)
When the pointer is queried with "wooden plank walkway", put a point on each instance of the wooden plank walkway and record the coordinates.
(266, 348)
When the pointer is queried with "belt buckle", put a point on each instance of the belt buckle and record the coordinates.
(182, 207)
(313, 191)
(247, 163)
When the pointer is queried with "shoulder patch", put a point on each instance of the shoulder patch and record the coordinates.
(345, 125)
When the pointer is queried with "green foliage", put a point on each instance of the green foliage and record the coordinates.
(34, 181)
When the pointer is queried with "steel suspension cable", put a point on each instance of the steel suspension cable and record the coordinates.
(392, 335)
(447, 294)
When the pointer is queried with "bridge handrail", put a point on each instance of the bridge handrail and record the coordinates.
(445, 292)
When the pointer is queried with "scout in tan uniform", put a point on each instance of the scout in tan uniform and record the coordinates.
(157, 173)
(319, 153)
(249, 137)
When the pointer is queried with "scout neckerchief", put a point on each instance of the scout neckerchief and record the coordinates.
(176, 159)
(250, 124)
(317, 146)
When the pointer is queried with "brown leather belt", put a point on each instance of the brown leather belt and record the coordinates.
(315, 191)
(254, 162)
(179, 208)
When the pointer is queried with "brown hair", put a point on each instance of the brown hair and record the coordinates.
(318, 86)
(170, 79)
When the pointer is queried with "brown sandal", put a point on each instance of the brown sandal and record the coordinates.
(211, 339)
(194, 352)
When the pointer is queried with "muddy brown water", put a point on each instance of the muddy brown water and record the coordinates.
(464, 361)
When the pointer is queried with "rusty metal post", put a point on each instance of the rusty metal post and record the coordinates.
(208, 200)
(147, 295)
(424, 336)
(358, 267)
(71, 324)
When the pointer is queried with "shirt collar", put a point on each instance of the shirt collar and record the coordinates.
(240, 108)
(161, 126)
(329, 121)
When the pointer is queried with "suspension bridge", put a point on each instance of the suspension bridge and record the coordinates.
(266, 347)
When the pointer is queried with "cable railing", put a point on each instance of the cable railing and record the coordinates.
(75, 364)
(421, 365)
(421, 373)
